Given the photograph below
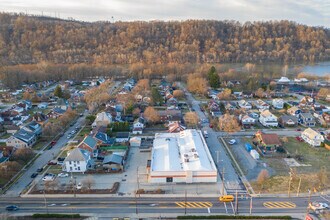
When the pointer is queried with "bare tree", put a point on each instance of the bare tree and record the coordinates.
(262, 177)
(260, 93)
(225, 94)
(151, 115)
(191, 118)
(88, 182)
(178, 93)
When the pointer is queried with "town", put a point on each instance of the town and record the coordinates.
(163, 136)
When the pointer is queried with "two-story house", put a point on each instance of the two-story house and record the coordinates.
(33, 127)
(278, 103)
(306, 119)
(21, 139)
(244, 104)
(288, 121)
(102, 119)
(138, 125)
(267, 119)
(89, 144)
(261, 105)
(246, 120)
(312, 137)
(295, 111)
(77, 161)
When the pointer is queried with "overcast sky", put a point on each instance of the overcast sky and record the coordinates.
(311, 12)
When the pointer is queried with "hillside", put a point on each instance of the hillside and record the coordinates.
(29, 40)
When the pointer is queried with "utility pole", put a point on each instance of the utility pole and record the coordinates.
(136, 208)
(299, 186)
(251, 206)
(46, 207)
(223, 181)
(236, 203)
(290, 173)
(137, 178)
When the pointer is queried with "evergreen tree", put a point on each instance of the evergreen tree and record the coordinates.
(58, 92)
(213, 77)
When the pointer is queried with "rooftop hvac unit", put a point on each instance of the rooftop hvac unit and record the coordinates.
(193, 150)
(185, 155)
(186, 160)
(167, 139)
(196, 156)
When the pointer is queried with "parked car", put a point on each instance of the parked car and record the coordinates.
(69, 136)
(63, 175)
(34, 175)
(52, 143)
(48, 177)
(12, 208)
(39, 170)
(299, 129)
(79, 186)
(52, 162)
(232, 141)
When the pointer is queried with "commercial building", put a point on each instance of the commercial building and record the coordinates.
(181, 158)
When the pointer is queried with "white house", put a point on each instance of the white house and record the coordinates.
(312, 137)
(78, 161)
(247, 120)
(283, 80)
(102, 119)
(261, 105)
(244, 104)
(267, 119)
(139, 123)
(43, 105)
(278, 103)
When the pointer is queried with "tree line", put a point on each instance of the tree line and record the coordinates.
(31, 40)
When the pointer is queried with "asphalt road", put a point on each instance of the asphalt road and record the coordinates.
(125, 206)
(41, 161)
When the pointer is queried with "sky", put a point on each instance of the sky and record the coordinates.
(310, 12)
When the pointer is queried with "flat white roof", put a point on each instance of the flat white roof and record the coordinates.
(182, 151)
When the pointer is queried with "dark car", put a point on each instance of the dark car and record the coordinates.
(12, 208)
(40, 169)
(61, 159)
(34, 175)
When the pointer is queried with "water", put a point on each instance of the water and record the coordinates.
(319, 69)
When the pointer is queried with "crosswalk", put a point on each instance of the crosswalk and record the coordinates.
(279, 205)
(196, 205)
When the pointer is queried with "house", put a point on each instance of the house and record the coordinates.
(103, 139)
(55, 113)
(269, 141)
(175, 127)
(139, 123)
(135, 141)
(288, 121)
(230, 107)
(89, 144)
(278, 103)
(113, 162)
(246, 120)
(170, 115)
(306, 119)
(267, 119)
(33, 127)
(324, 119)
(295, 111)
(102, 119)
(137, 130)
(28, 104)
(39, 117)
(18, 109)
(21, 139)
(261, 105)
(244, 105)
(214, 108)
(172, 101)
(306, 102)
(122, 137)
(12, 129)
(78, 161)
(62, 104)
(312, 137)
(43, 105)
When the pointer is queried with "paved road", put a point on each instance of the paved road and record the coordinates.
(126, 206)
(41, 161)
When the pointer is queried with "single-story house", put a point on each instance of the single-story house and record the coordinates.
(175, 126)
(122, 137)
(288, 121)
(270, 141)
(113, 162)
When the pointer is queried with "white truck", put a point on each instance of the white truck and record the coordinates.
(206, 135)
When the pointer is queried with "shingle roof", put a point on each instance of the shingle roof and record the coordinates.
(122, 135)
(113, 159)
(104, 138)
(90, 141)
(270, 139)
(310, 133)
(77, 155)
(24, 135)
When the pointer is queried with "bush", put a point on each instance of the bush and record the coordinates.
(53, 215)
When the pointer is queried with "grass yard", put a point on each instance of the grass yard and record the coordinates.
(39, 145)
(5, 136)
(84, 131)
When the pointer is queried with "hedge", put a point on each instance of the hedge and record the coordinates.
(233, 217)
(53, 215)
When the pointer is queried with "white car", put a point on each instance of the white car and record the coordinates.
(79, 186)
(318, 205)
(69, 136)
(232, 141)
(63, 175)
(48, 178)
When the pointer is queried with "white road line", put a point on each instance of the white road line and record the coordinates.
(208, 210)
(325, 198)
(232, 206)
(225, 207)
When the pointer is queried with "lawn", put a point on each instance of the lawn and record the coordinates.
(84, 131)
(39, 145)
(5, 136)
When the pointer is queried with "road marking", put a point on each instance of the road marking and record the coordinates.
(232, 206)
(279, 205)
(208, 210)
(325, 198)
(225, 207)
(197, 205)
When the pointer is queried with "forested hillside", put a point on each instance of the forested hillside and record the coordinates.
(29, 40)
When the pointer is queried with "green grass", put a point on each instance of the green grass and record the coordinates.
(112, 148)
(39, 145)
(84, 131)
(5, 136)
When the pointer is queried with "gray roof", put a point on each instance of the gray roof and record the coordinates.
(90, 141)
(288, 117)
(78, 155)
(306, 115)
(24, 135)
(113, 159)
